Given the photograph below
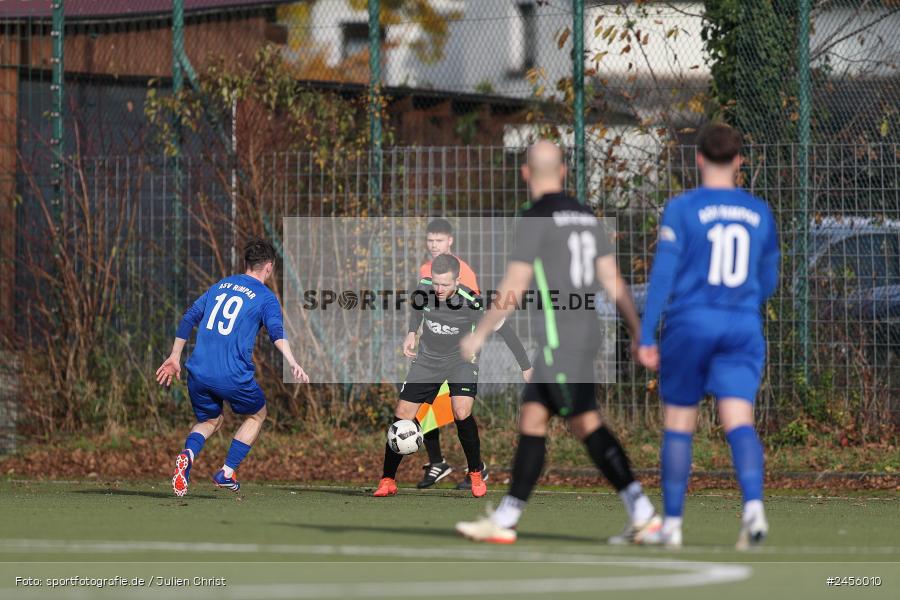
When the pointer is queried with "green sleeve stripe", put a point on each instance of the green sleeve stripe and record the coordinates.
(465, 294)
(549, 317)
(425, 280)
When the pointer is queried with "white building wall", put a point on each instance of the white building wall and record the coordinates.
(485, 45)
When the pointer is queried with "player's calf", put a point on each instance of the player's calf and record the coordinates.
(405, 411)
(240, 447)
(467, 429)
(611, 459)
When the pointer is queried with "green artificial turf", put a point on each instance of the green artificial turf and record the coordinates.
(286, 541)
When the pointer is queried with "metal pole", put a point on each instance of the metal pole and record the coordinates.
(234, 181)
(374, 99)
(376, 158)
(803, 132)
(177, 85)
(578, 80)
(56, 112)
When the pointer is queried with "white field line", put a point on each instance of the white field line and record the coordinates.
(687, 573)
(573, 554)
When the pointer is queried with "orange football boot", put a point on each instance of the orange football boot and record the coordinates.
(479, 487)
(386, 487)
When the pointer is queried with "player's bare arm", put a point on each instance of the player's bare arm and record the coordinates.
(514, 284)
(409, 345)
(415, 321)
(618, 291)
(171, 367)
(296, 370)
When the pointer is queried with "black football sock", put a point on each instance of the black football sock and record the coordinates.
(433, 446)
(609, 456)
(391, 462)
(527, 465)
(467, 430)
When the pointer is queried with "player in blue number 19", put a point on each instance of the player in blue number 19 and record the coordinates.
(716, 262)
(220, 369)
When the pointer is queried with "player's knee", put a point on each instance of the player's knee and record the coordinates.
(261, 414)
(680, 418)
(585, 424)
(533, 420)
(406, 410)
(217, 423)
(535, 429)
(460, 413)
(734, 413)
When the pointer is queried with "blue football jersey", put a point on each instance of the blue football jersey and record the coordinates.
(717, 249)
(229, 316)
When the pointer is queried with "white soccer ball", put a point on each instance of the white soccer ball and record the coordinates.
(405, 437)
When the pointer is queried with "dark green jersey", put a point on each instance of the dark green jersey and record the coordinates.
(445, 322)
(562, 240)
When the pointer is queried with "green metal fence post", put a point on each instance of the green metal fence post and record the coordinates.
(376, 158)
(578, 81)
(375, 99)
(177, 85)
(803, 184)
(57, 88)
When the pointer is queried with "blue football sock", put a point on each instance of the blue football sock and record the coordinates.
(236, 453)
(194, 443)
(676, 469)
(747, 455)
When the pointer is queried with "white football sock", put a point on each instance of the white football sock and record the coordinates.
(509, 512)
(671, 524)
(637, 505)
(190, 453)
(643, 510)
(752, 509)
(228, 471)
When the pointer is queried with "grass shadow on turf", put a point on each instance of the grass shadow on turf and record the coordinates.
(366, 491)
(443, 532)
(164, 495)
(362, 491)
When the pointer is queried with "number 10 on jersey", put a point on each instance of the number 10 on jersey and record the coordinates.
(730, 257)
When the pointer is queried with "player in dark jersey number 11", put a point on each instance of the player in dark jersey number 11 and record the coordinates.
(565, 248)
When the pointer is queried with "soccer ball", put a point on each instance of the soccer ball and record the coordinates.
(404, 437)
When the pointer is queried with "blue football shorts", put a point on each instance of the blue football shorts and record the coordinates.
(207, 401)
(721, 353)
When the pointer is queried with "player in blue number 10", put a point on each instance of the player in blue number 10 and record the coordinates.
(716, 262)
(220, 369)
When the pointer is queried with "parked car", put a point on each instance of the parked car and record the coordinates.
(854, 277)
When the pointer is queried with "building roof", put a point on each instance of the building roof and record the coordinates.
(131, 9)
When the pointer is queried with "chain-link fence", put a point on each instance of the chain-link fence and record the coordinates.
(852, 266)
(301, 108)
